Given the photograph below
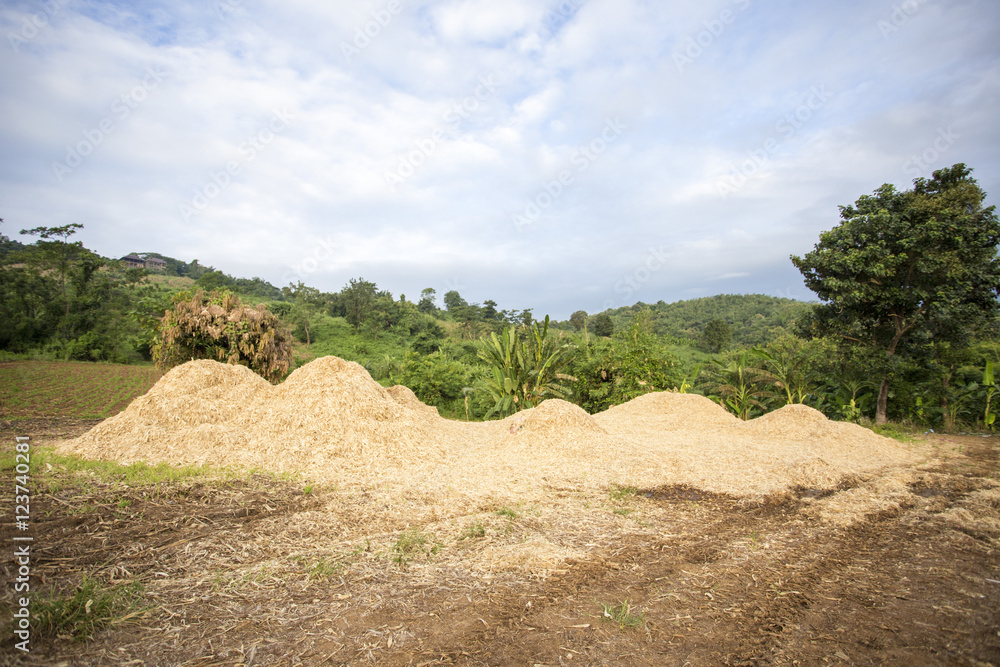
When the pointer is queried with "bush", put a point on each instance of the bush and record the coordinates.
(219, 327)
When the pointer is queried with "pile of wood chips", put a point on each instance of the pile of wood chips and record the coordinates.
(331, 422)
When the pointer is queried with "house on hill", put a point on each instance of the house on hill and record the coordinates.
(156, 264)
(133, 261)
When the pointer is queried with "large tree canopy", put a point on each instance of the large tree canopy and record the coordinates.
(923, 261)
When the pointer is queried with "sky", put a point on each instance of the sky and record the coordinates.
(550, 154)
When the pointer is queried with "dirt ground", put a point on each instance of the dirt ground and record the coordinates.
(258, 571)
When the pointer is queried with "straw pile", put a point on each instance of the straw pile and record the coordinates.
(331, 421)
(405, 396)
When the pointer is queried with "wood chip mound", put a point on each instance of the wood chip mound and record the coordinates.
(330, 421)
(405, 396)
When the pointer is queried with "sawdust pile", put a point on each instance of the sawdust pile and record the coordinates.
(405, 396)
(331, 421)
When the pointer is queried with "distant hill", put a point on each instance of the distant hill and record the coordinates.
(754, 318)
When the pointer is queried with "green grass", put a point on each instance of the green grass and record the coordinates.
(622, 492)
(91, 607)
(472, 531)
(134, 474)
(623, 614)
(894, 431)
(411, 543)
(334, 336)
(70, 389)
(507, 512)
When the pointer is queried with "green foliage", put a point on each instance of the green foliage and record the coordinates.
(525, 368)
(426, 304)
(217, 326)
(754, 319)
(741, 385)
(90, 608)
(579, 320)
(602, 325)
(306, 302)
(716, 336)
(990, 386)
(473, 531)
(411, 543)
(902, 264)
(635, 362)
(358, 299)
(623, 614)
(215, 280)
(434, 378)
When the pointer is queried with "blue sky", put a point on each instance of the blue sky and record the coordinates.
(547, 155)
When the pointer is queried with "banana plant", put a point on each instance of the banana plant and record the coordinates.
(524, 370)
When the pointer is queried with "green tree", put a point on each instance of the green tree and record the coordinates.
(55, 252)
(215, 280)
(435, 379)
(640, 363)
(632, 363)
(306, 302)
(217, 326)
(716, 336)
(578, 319)
(426, 304)
(358, 299)
(602, 325)
(901, 263)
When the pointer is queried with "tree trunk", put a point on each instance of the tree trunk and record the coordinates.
(949, 423)
(883, 402)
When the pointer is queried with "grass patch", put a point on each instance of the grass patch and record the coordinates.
(622, 492)
(894, 431)
(474, 530)
(507, 512)
(134, 474)
(623, 614)
(411, 543)
(89, 609)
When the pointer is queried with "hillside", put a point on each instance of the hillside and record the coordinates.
(754, 318)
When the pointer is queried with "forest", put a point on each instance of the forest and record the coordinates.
(905, 328)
